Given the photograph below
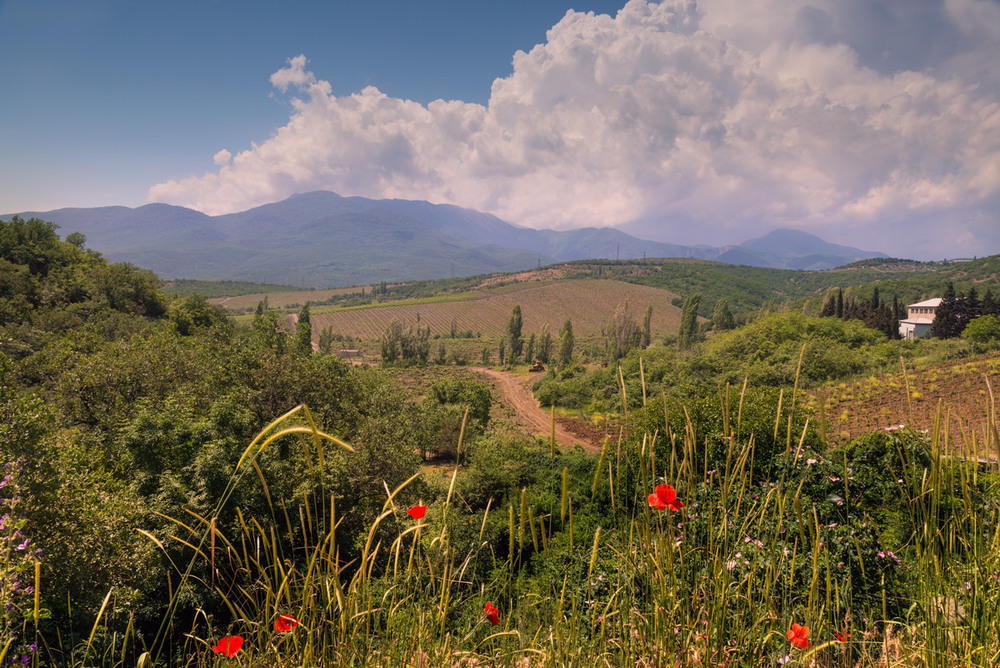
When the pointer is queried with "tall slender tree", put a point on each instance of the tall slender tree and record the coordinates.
(303, 332)
(688, 333)
(566, 343)
(544, 344)
(647, 323)
(514, 340)
(722, 317)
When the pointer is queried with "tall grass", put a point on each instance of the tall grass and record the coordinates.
(717, 583)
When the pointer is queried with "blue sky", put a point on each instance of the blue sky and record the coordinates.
(873, 123)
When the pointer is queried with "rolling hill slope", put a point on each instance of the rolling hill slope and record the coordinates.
(588, 303)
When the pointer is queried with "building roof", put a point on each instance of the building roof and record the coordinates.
(932, 303)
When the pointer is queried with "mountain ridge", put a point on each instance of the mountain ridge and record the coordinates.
(323, 239)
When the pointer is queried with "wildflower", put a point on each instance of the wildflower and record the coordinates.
(285, 623)
(799, 635)
(842, 637)
(492, 614)
(417, 512)
(665, 497)
(228, 646)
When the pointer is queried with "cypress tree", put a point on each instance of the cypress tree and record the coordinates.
(989, 306)
(303, 332)
(566, 343)
(514, 340)
(688, 332)
(722, 317)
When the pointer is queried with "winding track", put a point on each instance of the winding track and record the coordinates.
(514, 391)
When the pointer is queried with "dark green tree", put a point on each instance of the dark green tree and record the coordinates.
(391, 344)
(514, 340)
(687, 336)
(545, 344)
(303, 332)
(990, 305)
(950, 316)
(566, 343)
(722, 317)
(647, 324)
(829, 308)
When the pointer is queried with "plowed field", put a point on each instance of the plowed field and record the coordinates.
(962, 389)
(588, 303)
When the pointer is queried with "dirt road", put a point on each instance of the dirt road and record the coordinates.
(515, 392)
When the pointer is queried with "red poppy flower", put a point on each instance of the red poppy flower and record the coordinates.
(665, 497)
(228, 646)
(842, 637)
(799, 635)
(417, 512)
(285, 623)
(492, 614)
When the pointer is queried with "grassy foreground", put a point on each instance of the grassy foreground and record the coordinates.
(757, 561)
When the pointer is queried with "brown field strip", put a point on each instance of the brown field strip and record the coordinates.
(280, 300)
(588, 303)
(962, 389)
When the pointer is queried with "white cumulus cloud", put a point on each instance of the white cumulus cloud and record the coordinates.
(688, 121)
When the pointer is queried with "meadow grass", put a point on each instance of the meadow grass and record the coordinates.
(718, 582)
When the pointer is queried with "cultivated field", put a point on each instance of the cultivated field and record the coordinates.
(588, 303)
(280, 300)
(962, 388)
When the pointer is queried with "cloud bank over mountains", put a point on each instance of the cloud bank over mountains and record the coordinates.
(683, 120)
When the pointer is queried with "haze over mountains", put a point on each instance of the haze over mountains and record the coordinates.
(321, 239)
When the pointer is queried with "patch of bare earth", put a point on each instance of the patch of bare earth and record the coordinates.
(515, 391)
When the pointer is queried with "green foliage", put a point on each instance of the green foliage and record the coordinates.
(49, 287)
(194, 312)
(722, 317)
(118, 418)
(983, 332)
(765, 354)
(405, 348)
(566, 343)
(514, 340)
(303, 332)
(622, 334)
(688, 333)
(544, 344)
(572, 387)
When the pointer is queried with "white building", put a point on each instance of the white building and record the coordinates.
(919, 317)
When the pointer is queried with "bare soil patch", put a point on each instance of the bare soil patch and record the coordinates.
(515, 391)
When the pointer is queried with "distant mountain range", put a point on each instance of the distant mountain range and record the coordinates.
(321, 239)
